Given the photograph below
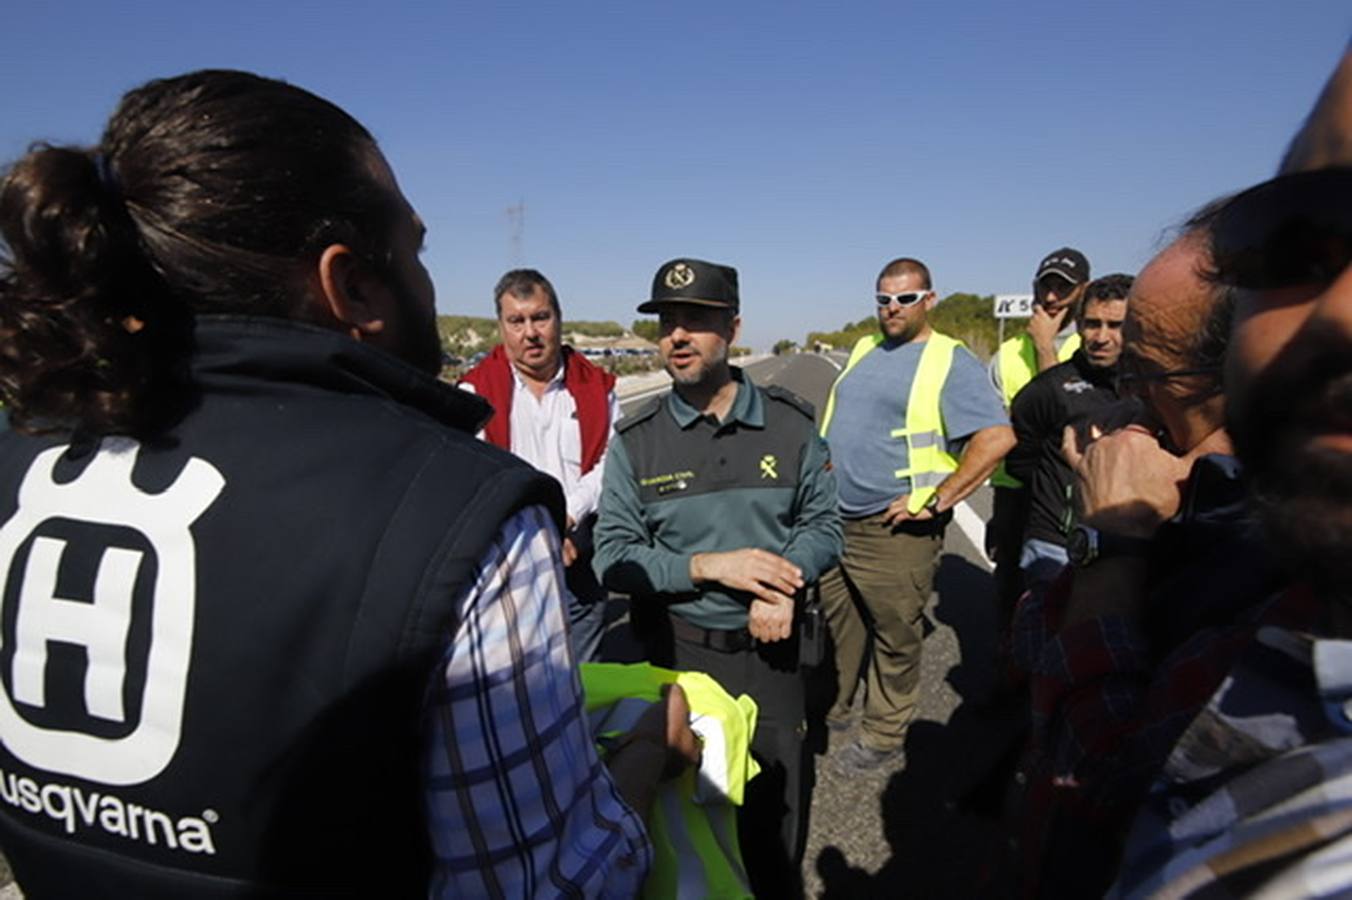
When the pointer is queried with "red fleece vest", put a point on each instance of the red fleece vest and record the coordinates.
(589, 384)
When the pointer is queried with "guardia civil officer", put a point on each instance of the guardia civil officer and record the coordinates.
(718, 507)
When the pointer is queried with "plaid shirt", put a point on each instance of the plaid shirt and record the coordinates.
(1256, 795)
(1106, 718)
(519, 804)
(1105, 711)
(1111, 695)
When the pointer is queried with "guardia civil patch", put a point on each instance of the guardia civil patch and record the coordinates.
(669, 483)
(768, 466)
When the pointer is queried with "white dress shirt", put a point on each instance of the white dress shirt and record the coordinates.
(545, 433)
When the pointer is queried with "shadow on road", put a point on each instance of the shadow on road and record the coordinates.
(941, 843)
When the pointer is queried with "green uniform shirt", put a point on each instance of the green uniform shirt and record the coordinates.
(679, 483)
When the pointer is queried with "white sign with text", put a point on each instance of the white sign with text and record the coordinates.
(1013, 306)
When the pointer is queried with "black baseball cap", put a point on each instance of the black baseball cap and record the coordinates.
(693, 281)
(1067, 262)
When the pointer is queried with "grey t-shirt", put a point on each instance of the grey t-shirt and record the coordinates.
(871, 402)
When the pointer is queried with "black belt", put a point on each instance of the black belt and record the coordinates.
(722, 640)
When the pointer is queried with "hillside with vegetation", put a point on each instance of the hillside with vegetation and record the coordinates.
(968, 317)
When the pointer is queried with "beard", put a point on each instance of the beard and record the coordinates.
(703, 370)
(1301, 488)
(902, 331)
(420, 343)
(424, 352)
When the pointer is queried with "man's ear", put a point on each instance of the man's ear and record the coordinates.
(736, 331)
(351, 293)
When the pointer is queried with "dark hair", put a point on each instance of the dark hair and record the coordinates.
(1208, 345)
(521, 283)
(1110, 287)
(208, 193)
(904, 265)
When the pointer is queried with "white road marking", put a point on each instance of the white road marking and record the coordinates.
(974, 529)
(821, 356)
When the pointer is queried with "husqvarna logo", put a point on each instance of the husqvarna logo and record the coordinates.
(100, 577)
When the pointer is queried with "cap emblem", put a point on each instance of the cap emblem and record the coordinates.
(679, 276)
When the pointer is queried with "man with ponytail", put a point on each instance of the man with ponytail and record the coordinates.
(273, 622)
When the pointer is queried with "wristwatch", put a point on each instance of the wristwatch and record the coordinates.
(1085, 544)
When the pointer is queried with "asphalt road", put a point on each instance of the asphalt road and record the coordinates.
(913, 830)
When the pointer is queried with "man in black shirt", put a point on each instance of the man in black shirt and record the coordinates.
(1066, 394)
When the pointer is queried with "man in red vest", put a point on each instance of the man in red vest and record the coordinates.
(555, 410)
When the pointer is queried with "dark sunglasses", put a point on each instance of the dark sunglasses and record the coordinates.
(907, 298)
(1292, 230)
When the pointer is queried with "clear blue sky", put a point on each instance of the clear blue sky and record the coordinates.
(805, 144)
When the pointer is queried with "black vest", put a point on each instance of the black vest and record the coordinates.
(215, 650)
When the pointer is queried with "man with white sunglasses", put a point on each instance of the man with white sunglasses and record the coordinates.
(914, 427)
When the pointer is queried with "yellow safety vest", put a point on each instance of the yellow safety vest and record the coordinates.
(1017, 359)
(928, 460)
(693, 823)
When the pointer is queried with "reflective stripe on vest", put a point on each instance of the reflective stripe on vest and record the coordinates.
(693, 824)
(1018, 365)
(928, 459)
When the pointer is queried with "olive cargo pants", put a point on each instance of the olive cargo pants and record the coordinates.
(879, 592)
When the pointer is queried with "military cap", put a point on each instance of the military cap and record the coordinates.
(693, 281)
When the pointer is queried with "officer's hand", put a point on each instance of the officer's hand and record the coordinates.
(896, 512)
(758, 572)
(1127, 483)
(770, 621)
(1043, 326)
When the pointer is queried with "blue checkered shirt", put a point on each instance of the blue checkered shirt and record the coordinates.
(519, 804)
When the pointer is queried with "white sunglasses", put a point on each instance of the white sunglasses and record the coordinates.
(908, 298)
